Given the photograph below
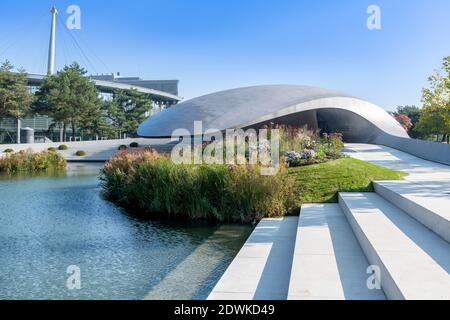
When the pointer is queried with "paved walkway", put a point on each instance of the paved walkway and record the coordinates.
(403, 228)
(97, 151)
(426, 189)
(420, 171)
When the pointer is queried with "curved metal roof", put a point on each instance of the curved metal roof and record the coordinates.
(243, 107)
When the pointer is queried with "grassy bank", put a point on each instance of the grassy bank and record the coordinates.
(29, 162)
(153, 185)
(320, 183)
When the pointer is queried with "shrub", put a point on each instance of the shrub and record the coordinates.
(27, 161)
(8, 151)
(295, 138)
(53, 149)
(308, 148)
(296, 159)
(321, 153)
(153, 184)
(122, 147)
(308, 154)
(80, 153)
(63, 147)
(134, 145)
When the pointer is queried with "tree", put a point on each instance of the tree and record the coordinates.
(404, 120)
(70, 98)
(101, 128)
(15, 96)
(435, 114)
(413, 113)
(127, 110)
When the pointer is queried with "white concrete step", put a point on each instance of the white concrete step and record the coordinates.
(261, 270)
(414, 261)
(328, 262)
(427, 201)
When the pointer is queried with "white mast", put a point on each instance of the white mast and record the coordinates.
(51, 52)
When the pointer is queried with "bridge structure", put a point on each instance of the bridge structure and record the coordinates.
(160, 97)
(163, 93)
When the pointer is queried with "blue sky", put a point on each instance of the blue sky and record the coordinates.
(211, 45)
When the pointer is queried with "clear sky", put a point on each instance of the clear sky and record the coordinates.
(211, 45)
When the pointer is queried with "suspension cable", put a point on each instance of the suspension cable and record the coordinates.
(78, 46)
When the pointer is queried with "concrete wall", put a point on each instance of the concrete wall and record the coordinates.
(427, 150)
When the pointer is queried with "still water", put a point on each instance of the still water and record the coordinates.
(48, 223)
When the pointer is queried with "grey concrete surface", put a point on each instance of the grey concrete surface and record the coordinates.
(359, 120)
(425, 192)
(328, 262)
(414, 261)
(261, 270)
(428, 150)
(419, 170)
(97, 151)
(428, 203)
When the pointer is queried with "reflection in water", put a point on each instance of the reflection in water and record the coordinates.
(48, 223)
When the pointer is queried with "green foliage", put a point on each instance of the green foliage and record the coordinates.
(334, 143)
(8, 151)
(134, 145)
(80, 153)
(53, 149)
(413, 113)
(63, 147)
(435, 114)
(302, 147)
(126, 111)
(150, 183)
(70, 99)
(294, 138)
(15, 97)
(27, 161)
(321, 183)
(153, 184)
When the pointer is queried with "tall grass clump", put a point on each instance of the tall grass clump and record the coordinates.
(152, 184)
(27, 161)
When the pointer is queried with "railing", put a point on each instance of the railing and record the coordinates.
(38, 123)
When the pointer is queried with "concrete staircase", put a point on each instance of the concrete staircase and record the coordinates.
(328, 262)
(413, 260)
(401, 230)
(427, 202)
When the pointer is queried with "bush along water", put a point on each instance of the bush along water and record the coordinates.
(63, 147)
(27, 161)
(147, 182)
(152, 184)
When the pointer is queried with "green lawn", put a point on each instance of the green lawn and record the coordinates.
(320, 183)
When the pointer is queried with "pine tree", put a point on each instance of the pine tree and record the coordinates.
(127, 110)
(71, 99)
(15, 96)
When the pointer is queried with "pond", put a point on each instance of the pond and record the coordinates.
(50, 223)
